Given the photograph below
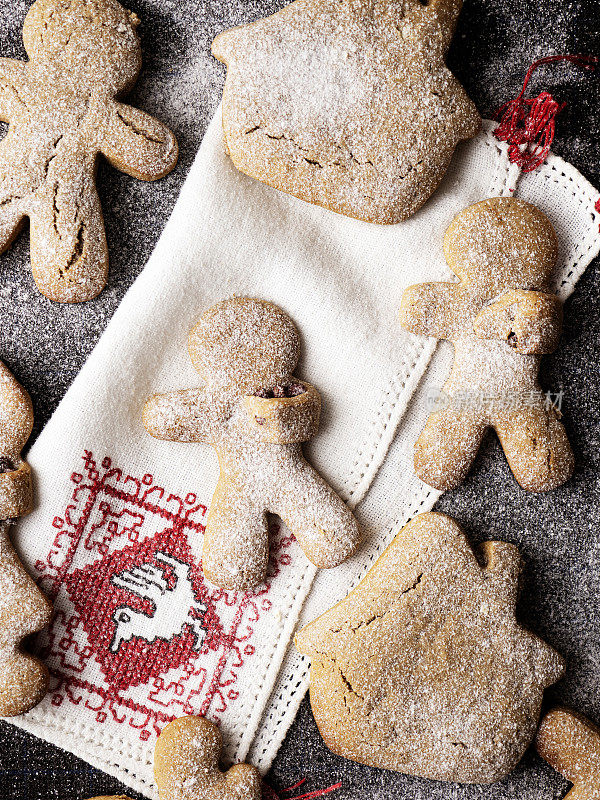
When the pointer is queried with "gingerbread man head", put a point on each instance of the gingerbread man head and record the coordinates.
(93, 44)
(500, 244)
(244, 345)
(186, 765)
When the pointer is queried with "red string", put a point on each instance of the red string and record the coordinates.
(528, 124)
(318, 792)
(270, 794)
(296, 785)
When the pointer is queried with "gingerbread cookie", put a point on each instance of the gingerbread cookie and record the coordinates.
(62, 112)
(23, 608)
(256, 415)
(423, 668)
(186, 765)
(348, 104)
(500, 318)
(571, 744)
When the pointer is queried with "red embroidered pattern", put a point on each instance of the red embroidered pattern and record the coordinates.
(137, 637)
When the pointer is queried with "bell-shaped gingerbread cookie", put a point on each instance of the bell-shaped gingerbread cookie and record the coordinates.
(62, 113)
(346, 103)
(571, 744)
(256, 414)
(23, 608)
(423, 668)
(501, 317)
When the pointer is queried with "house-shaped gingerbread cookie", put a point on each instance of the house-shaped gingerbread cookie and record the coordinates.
(423, 668)
(347, 103)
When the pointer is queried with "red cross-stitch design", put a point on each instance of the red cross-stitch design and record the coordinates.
(96, 598)
(138, 637)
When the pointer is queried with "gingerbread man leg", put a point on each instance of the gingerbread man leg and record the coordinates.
(321, 522)
(69, 256)
(536, 446)
(23, 609)
(235, 553)
(447, 446)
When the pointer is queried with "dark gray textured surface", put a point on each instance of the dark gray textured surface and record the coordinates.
(46, 344)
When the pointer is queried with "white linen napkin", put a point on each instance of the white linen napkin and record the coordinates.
(128, 652)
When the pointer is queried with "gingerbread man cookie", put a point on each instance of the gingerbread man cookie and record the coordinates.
(62, 113)
(256, 415)
(571, 744)
(423, 668)
(23, 608)
(347, 104)
(501, 318)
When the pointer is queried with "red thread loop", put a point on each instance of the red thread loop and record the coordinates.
(270, 794)
(528, 124)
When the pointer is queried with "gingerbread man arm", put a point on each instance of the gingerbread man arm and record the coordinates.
(189, 415)
(16, 421)
(138, 144)
(436, 309)
(528, 321)
(13, 79)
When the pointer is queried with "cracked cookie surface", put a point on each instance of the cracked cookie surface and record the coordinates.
(501, 317)
(347, 104)
(423, 668)
(62, 113)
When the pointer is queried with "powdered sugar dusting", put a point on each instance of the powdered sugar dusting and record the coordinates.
(61, 112)
(243, 349)
(423, 668)
(493, 246)
(186, 765)
(345, 144)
